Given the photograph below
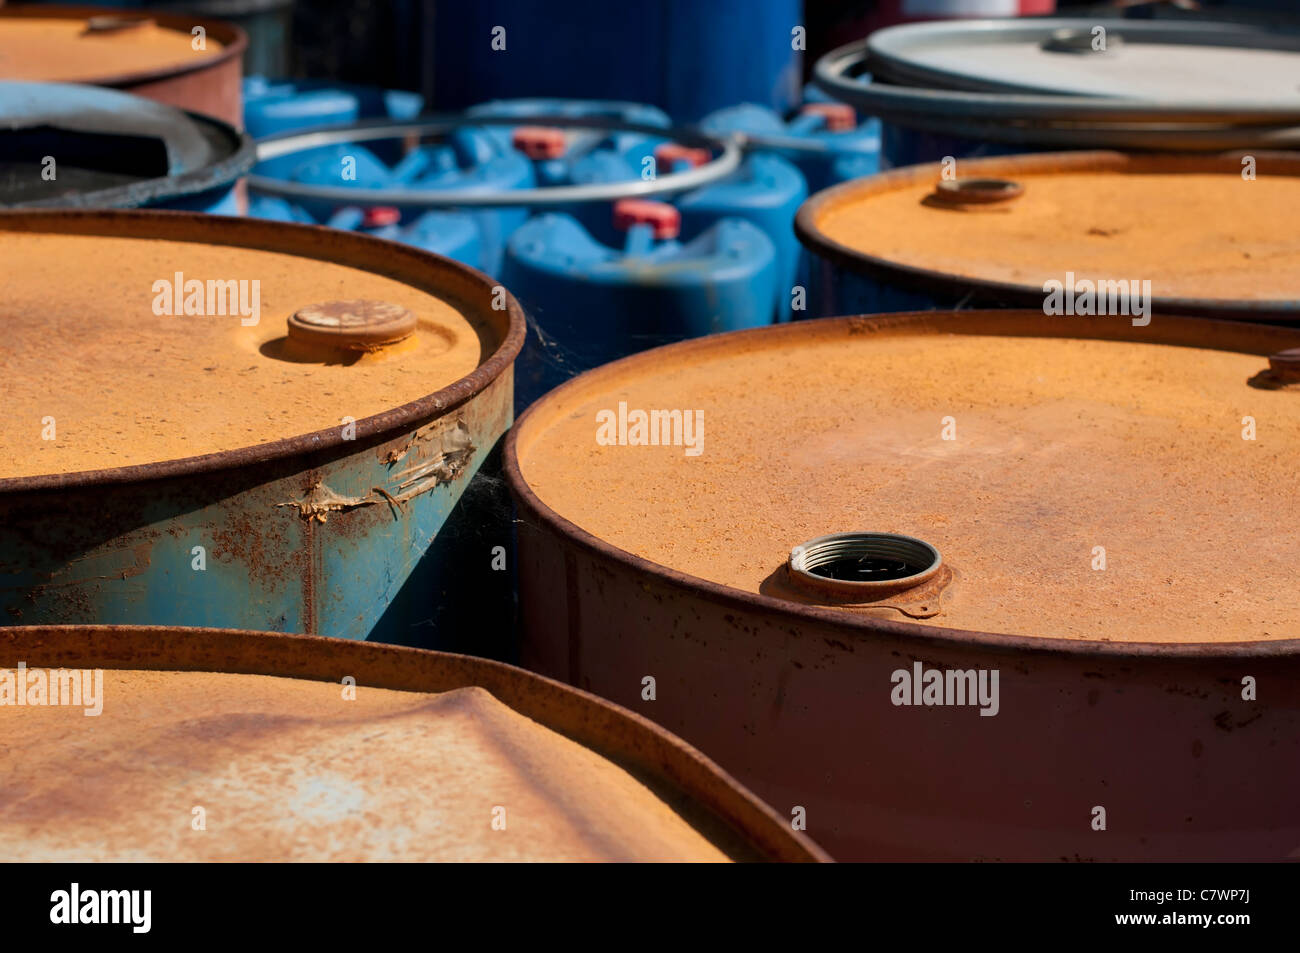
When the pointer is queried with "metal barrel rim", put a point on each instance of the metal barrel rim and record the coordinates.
(288, 143)
(830, 75)
(610, 730)
(1028, 295)
(290, 238)
(1172, 328)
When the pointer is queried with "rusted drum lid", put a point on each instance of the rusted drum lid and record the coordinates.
(1210, 234)
(1081, 478)
(365, 753)
(104, 46)
(138, 339)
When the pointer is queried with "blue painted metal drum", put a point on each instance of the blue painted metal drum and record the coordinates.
(264, 426)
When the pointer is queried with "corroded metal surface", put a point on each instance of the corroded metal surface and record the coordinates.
(330, 532)
(326, 827)
(1215, 252)
(206, 84)
(1191, 747)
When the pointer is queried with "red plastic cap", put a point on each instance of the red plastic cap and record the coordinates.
(667, 221)
(669, 152)
(539, 142)
(839, 117)
(377, 216)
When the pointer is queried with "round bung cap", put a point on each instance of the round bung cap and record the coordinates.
(539, 142)
(1286, 364)
(113, 22)
(665, 218)
(355, 325)
(977, 191)
(839, 117)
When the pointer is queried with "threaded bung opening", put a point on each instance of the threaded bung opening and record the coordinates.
(866, 563)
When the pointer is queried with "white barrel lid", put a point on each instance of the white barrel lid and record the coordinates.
(1152, 61)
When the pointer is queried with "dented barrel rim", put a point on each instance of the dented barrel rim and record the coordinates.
(311, 241)
(1261, 340)
(1010, 169)
(622, 737)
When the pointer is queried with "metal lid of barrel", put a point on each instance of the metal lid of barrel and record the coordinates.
(1207, 235)
(1099, 511)
(378, 754)
(67, 145)
(183, 61)
(235, 422)
(1078, 82)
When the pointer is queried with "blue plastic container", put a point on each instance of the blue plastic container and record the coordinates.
(469, 160)
(276, 209)
(453, 234)
(591, 304)
(581, 141)
(765, 191)
(348, 165)
(275, 106)
(843, 154)
(686, 57)
(474, 162)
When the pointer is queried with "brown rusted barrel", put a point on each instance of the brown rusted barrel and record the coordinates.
(960, 585)
(1203, 235)
(219, 744)
(184, 61)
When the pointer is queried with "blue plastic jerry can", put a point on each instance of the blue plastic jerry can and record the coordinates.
(557, 152)
(767, 191)
(347, 165)
(473, 162)
(841, 145)
(275, 106)
(276, 209)
(453, 234)
(589, 303)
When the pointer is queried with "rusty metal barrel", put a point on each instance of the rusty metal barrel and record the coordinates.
(244, 424)
(224, 745)
(959, 585)
(1199, 235)
(189, 62)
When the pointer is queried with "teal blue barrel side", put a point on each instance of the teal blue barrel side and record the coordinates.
(327, 543)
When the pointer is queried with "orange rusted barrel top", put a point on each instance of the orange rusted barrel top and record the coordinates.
(185, 61)
(148, 337)
(1081, 478)
(1206, 232)
(220, 745)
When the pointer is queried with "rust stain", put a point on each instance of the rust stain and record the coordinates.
(1062, 444)
(1183, 223)
(123, 367)
(578, 778)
